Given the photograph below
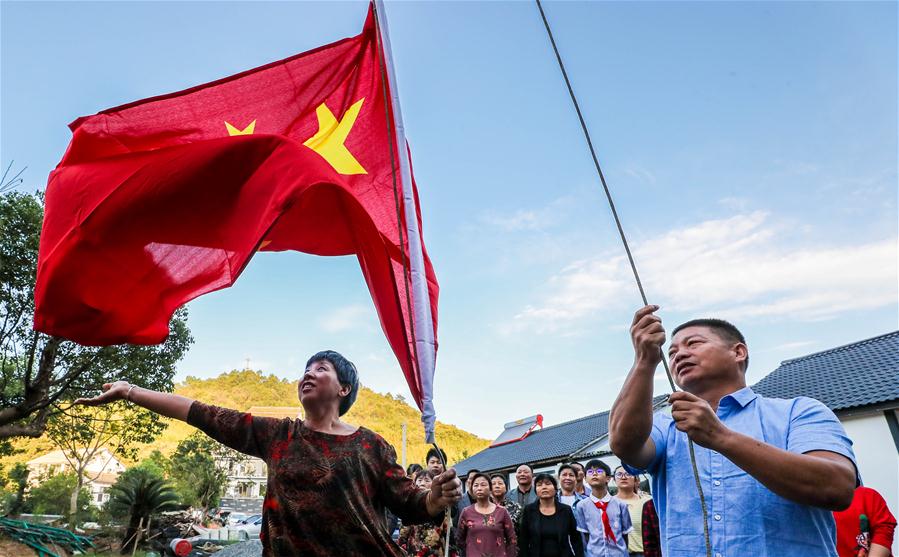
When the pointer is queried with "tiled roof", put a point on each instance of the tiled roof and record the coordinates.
(553, 442)
(852, 376)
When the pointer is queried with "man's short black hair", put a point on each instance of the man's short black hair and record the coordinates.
(596, 463)
(566, 466)
(525, 464)
(346, 375)
(724, 329)
(578, 465)
(433, 452)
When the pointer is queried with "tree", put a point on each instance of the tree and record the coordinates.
(198, 469)
(38, 372)
(17, 482)
(137, 495)
(81, 433)
(51, 496)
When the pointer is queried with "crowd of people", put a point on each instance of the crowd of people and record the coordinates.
(567, 514)
(779, 476)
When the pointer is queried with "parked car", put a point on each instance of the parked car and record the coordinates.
(250, 528)
(236, 518)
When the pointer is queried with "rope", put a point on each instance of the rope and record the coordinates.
(630, 258)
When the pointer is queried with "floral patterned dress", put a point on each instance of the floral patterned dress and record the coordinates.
(425, 540)
(487, 535)
(326, 493)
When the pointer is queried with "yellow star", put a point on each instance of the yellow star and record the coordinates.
(328, 141)
(246, 131)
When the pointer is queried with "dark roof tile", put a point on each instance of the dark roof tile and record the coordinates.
(553, 442)
(851, 376)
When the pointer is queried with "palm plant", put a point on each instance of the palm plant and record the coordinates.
(139, 495)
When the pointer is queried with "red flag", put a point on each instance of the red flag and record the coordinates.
(165, 199)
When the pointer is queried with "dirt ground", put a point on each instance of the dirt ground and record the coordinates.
(9, 548)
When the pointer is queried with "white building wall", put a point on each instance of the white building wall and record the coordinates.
(877, 457)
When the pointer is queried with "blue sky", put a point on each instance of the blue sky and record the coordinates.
(751, 149)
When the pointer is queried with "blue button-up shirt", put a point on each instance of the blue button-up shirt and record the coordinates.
(589, 522)
(745, 518)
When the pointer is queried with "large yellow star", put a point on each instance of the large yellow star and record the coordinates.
(246, 131)
(328, 141)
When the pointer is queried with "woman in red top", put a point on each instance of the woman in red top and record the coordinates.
(328, 482)
(868, 537)
(485, 528)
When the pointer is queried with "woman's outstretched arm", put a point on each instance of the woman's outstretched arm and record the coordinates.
(167, 404)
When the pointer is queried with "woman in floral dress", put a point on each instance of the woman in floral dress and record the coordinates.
(329, 483)
(485, 528)
(428, 539)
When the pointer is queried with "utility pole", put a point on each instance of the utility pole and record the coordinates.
(404, 445)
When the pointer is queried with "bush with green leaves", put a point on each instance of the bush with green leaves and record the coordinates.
(53, 496)
(136, 496)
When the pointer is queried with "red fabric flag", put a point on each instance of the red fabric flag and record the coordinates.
(165, 199)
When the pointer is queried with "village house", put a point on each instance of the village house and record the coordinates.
(100, 474)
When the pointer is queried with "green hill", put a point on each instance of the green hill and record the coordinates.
(382, 413)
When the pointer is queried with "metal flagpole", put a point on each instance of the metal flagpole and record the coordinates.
(423, 326)
(425, 348)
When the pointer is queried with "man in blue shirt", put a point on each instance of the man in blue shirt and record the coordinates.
(771, 469)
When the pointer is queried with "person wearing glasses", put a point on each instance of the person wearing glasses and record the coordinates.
(548, 527)
(643, 516)
(603, 519)
(771, 470)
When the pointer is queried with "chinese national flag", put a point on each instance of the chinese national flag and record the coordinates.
(165, 199)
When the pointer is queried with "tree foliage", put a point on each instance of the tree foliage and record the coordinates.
(137, 495)
(51, 495)
(38, 372)
(194, 468)
(12, 490)
(82, 432)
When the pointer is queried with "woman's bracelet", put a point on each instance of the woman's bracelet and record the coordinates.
(128, 394)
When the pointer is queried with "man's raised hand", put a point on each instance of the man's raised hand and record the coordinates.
(111, 393)
(648, 335)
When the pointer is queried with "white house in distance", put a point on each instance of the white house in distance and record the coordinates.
(100, 473)
(247, 478)
(858, 381)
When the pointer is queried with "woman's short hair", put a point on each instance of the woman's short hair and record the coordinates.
(413, 468)
(346, 375)
(480, 475)
(500, 476)
(544, 477)
(567, 466)
(424, 472)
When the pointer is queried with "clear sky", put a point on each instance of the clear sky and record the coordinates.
(751, 148)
